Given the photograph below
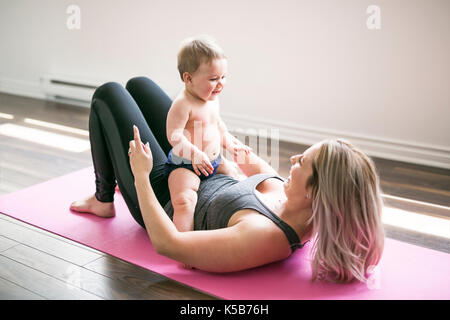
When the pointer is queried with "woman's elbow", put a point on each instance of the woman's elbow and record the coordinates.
(160, 249)
(165, 247)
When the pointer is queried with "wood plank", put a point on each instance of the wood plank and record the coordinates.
(40, 283)
(418, 207)
(50, 245)
(24, 107)
(82, 278)
(410, 191)
(153, 286)
(11, 291)
(146, 280)
(416, 187)
(417, 238)
(427, 184)
(441, 177)
(49, 234)
(27, 153)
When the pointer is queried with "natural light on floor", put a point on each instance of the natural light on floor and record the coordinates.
(44, 137)
(417, 222)
(56, 126)
(6, 116)
(427, 204)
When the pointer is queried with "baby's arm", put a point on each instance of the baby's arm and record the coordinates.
(177, 119)
(248, 162)
(229, 142)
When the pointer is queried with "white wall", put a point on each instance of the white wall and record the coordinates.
(311, 69)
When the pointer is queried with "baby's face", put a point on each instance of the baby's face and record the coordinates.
(209, 79)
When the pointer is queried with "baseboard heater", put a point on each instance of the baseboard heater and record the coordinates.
(69, 89)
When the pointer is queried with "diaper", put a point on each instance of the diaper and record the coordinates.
(173, 162)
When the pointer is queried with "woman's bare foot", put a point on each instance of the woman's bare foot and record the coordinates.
(93, 206)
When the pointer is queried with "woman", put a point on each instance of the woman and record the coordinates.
(332, 195)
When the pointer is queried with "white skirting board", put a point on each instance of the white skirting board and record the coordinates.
(407, 151)
(21, 88)
(42, 89)
(33, 90)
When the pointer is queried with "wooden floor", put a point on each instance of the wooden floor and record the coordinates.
(35, 264)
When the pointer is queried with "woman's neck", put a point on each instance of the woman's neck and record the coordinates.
(291, 212)
(295, 215)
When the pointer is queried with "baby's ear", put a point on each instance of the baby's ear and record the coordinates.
(187, 78)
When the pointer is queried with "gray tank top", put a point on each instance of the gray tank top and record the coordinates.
(220, 196)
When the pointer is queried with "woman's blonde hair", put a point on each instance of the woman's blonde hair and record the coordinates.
(194, 51)
(346, 213)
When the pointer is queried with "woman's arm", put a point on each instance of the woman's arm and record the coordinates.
(239, 247)
(158, 225)
(160, 228)
(247, 244)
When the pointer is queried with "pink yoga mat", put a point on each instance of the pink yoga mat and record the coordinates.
(405, 271)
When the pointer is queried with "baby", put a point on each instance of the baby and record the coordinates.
(195, 129)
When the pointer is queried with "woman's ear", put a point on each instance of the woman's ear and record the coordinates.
(187, 78)
(308, 194)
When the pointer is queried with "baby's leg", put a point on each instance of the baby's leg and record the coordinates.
(183, 186)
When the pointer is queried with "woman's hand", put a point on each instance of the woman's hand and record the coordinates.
(141, 159)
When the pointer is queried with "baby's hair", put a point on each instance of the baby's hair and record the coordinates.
(196, 50)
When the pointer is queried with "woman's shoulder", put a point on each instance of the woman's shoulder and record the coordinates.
(270, 183)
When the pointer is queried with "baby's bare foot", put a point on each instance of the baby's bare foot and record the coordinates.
(93, 206)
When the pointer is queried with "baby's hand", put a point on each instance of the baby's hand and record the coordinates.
(201, 164)
(241, 147)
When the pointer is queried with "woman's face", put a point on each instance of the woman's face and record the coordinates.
(301, 170)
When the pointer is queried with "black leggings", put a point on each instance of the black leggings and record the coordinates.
(114, 110)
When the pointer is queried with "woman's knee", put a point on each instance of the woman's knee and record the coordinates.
(139, 83)
(147, 92)
(107, 89)
(112, 96)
